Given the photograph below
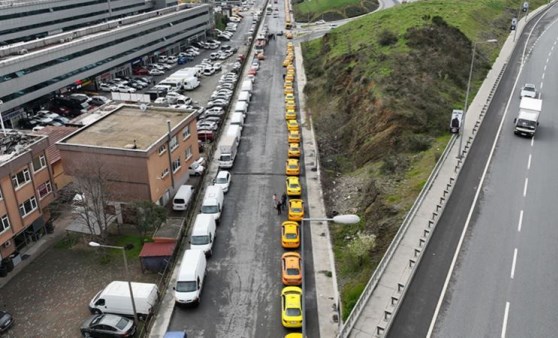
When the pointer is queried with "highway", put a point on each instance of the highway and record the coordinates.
(241, 297)
(502, 280)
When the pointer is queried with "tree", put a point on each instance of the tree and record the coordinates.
(148, 215)
(92, 182)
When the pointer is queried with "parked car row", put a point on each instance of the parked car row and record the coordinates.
(292, 313)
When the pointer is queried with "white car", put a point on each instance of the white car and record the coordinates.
(223, 180)
(155, 71)
(529, 90)
(208, 71)
(126, 89)
(105, 87)
(195, 169)
(161, 100)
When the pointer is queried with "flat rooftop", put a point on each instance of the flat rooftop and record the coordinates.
(127, 124)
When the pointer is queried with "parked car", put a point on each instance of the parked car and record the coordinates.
(107, 325)
(291, 307)
(223, 180)
(6, 321)
(208, 71)
(155, 71)
(140, 71)
(99, 100)
(126, 89)
(195, 169)
(105, 87)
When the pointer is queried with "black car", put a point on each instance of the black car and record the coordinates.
(6, 321)
(106, 325)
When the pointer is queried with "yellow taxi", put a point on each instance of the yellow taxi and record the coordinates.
(294, 335)
(290, 235)
(290, 44)
(294, 137)
(291, 67)
(289, 77)
(293, 186)
(286, 62)
(294, 150)
(289, 97)
(291, 307)
(292, 125)
(291, 268)
(292, 167)
(296, 210)
(288, 84)
(290, 105)
(288, 90)
(290, 114)
(289, 35)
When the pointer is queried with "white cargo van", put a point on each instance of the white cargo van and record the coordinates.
(241, 107)
(213, 201)
(191, 276)
(182, 197)
(203, 233)
(246, 85)
(115, 298)
(237, 119)
(244, 96)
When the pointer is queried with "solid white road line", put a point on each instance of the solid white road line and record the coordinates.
(529, 162)
(525, 186)
(505, 323)
(520, 221)
(513, 263)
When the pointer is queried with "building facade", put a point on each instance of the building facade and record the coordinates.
(26, 189)
(143, 154)
(31, 70)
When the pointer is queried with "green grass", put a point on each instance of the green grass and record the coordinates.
(319, 6)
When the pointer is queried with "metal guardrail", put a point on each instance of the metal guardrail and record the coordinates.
(373, 282)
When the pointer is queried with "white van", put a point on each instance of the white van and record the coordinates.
(237, 119)
(213, 201)
(203, 233)
(241, 107)
(182, 197)
(246, 85)
(115, 298)
(191, 276)
(244, 96)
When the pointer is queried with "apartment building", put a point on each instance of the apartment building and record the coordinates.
(26, 189)
(143, 153)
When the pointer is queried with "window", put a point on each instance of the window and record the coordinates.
(39, 163)
(44, 189)
(28, 207)
(165, 173)
(176, 165)
(21, 178)
(173, 144)
(186, 132)
(5, 223)
(188, 153)
(162, 149)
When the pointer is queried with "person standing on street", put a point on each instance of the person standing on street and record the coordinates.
(283, 201)
(278, 206)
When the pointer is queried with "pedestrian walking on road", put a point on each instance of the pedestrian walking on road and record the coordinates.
(283, 201)
(275, 200)
(278, 206)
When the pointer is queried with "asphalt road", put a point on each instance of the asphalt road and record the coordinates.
(481, 284)
(241, 297)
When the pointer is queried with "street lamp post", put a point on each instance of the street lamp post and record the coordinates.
(340, 219)
(462, 127)
(123, 248)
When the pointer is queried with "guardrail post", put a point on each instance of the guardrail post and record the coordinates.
(426, 232)
(400, 286)
(417, 252)
(379, 330)
(430, 223)
(387, 314)
(434, 215)
(412, 262)
(452, 179)
(421, 242)
(438, 207)
(442, 200)
(394, 300)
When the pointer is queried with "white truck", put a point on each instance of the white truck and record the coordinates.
(187, 72)
(527, 120)
(174, 84)
(115, 298)
(227, 151)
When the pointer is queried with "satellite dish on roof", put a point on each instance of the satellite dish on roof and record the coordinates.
(143, 107)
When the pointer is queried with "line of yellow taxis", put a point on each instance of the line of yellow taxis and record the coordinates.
(291, 261)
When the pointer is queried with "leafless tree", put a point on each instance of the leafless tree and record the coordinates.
(92, 181)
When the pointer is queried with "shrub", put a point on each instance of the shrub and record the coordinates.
(387, 38)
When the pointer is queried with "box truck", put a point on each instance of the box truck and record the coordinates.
(115, 298)
(527, 120)
(227, 151)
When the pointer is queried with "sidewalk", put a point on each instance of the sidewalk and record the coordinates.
(327, 296)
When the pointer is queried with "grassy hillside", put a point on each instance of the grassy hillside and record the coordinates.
(380, 92)
(313, 10)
